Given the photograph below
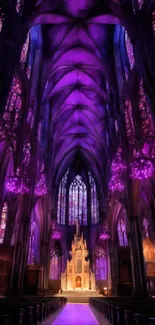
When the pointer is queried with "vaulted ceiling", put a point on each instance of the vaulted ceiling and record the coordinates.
(77, 82)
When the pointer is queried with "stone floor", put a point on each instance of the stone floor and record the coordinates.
(76, 314)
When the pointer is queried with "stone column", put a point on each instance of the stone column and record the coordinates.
(137, 259)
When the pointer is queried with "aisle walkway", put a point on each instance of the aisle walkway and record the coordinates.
(76, 314)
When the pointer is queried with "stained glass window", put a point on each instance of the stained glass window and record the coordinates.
(19, 6)
(122, 235)
(94, 201)
(61, 207)
(13, 107)
(4, 215)
(78, 201)
(146, 226)
(32, 244)
(146, 117)
(55, 265)
(129, 48)
(101, 268)
(1, 18)
(24, 52)
(153, 19)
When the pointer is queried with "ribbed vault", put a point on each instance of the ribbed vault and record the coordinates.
(77, 72)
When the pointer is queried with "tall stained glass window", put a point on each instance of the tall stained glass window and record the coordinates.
(32, 244)
(55, 265)
(61, 207)
(122, 235)
(101, 268)
(78, 201)
(94, 201)
(3, 222)
(129, 48)
(146, 226)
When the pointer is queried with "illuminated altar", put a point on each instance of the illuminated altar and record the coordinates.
(78, 274)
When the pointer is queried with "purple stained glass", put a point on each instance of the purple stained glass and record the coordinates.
(146, 227)
(1, 18)
(61, 206)
(3, 221)
(78, 201)
(32, 244)
(122, 235)
(94, 201)
(24, 52)
(101, 268)
(129, 48)
(54, 272)
(13, 107)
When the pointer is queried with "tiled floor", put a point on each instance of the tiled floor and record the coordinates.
(76, 314)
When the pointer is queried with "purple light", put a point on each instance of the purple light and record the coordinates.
(17, 184)
(104, 235)
(116, 184)
(56, 235)
(99, 251)
(41, 188)
(118, 166)
(141, 169)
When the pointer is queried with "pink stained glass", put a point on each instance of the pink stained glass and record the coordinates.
(130, 128)
(94, 201)
(78, 201)
(101, 268)
(4, 216)
(54, 272)
(32, 244)
(26, 154)
(24, 52)
(146, 117)
(1, 18)
(122, 235)
(140, 3)
(146, 227)
(153, 20)
(129, 48)
(13, 107)
(19, 6)
(61, 205)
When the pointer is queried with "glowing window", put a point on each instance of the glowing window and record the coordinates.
(13, 106)
(19, 6)
(153, 20)
(146, 226)
(3, 222)
(122, 235)
(101, 268)
(129, 48)
(1, 18)
(24, 52)
(78, 201)
(94, 201)
(55, 265)
(61, 207)
(32, 244)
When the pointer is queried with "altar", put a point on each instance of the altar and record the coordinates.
(78, 274)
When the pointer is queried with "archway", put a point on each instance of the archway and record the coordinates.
(78, 282)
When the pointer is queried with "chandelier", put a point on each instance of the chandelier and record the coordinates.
(17, 184)
(41, 187)
(141, 168)
(104, 234)
(56, 235)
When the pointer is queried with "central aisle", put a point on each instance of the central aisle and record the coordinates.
(76, 314)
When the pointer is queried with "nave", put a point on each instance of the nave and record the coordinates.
(79, 314)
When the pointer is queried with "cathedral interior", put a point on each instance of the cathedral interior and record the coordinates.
(77, 162)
